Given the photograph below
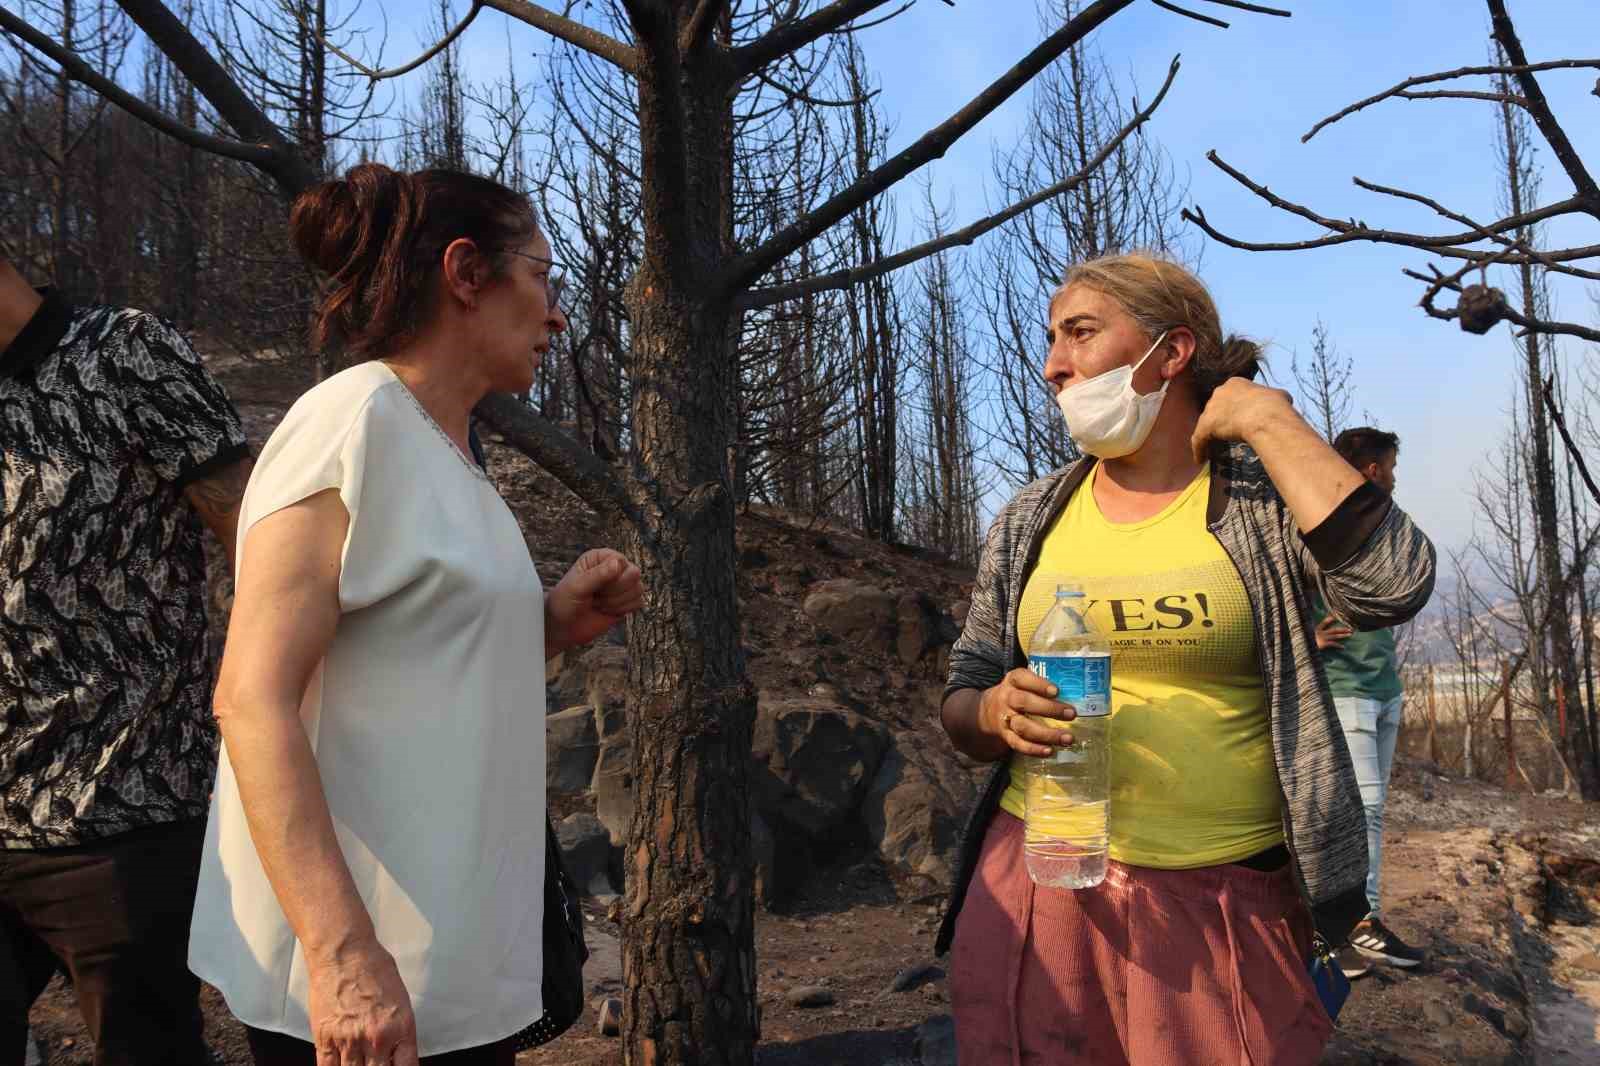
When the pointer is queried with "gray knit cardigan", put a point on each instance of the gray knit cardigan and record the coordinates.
(1369, 562)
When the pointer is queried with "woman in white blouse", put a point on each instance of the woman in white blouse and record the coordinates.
(372, 888)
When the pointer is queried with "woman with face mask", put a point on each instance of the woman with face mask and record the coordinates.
(1202, 514)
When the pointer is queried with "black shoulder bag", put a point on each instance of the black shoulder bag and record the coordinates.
(564, 949)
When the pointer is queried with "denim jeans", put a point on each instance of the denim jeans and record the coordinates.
(1370, 729)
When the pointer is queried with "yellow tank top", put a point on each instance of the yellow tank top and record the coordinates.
(1192, 777)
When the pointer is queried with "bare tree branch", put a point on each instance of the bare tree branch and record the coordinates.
(931, 145)
(843, 279)
(406, 68)
(1256, 8)
(573, 32)
(1439, 282)
(1493, 234)
(1424, 79)
(1186, 13)
(1539, 109)
(566, 460)
(82, 72)
(265, 146)
(697, 31)
(1566, 437)
(1344, 231)
(789, 37)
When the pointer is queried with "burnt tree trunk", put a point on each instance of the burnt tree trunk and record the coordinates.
(688, 931)
(1557, 617)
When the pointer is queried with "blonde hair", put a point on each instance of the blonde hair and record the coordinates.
(1160, 295)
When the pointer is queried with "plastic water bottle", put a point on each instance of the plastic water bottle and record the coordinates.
(1067, 793)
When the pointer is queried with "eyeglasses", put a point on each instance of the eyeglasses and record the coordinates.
(554, 283)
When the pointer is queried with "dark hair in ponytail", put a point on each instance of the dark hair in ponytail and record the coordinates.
(379, 234)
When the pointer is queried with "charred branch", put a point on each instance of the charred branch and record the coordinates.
(842, 279)
(573, 32)
(932, 145)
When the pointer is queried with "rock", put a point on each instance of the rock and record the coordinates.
(606, 675)
(586, 847)
(596, 676)
(1589, 961)
(922, 627)
(602, 974)
(812, 762)
(37, 1054)
(809, 996)
(933, 993)
(852, 611)
(1438, 1015)
(936, 1041)
(608, 1016)
(913, 976)
(571, 749)
(611, 726)
(612, 786)
(915, 808)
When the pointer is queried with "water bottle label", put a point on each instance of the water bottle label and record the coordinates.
(1081, 680)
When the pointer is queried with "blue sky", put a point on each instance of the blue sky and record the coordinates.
(1250, 92)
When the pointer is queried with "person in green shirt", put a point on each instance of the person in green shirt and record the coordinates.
(1367, 694)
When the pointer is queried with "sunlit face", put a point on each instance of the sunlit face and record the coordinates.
(1089, 334)
(518, 317)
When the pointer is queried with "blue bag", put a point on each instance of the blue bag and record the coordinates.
(1333, 987)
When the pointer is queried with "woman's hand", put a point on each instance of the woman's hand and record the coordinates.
(360, 1010)
(600, 590)
(1310, 476)
(1331, 633)
(1010, 711)
(1237, 410)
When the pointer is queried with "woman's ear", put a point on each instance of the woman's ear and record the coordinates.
(465, 272)
(1177, 351)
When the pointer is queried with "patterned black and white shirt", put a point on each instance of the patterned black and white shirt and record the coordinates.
(105, 686)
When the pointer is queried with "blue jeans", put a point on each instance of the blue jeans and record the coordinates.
(1370, 729)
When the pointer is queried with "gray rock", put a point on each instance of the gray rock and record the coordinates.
(602, 974)
(936, 1041)
(37, 1054)
(608, 1016)
(612, 786)
(587, 849)
(915, 808)
(913, 976)
(571, 749)
(921, 627)
(812, 762)
(853, 611)
(605, 682)
(809, 996)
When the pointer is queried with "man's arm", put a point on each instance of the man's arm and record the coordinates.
(216, 498)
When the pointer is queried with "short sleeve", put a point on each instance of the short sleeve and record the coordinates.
(179, 418)
(317, 447)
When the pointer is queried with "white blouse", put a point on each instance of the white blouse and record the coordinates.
(427, 721)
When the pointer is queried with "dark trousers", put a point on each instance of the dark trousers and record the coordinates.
(276, 1049)
(114, 916)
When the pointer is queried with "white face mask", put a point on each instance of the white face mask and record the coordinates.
(1105, 416)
